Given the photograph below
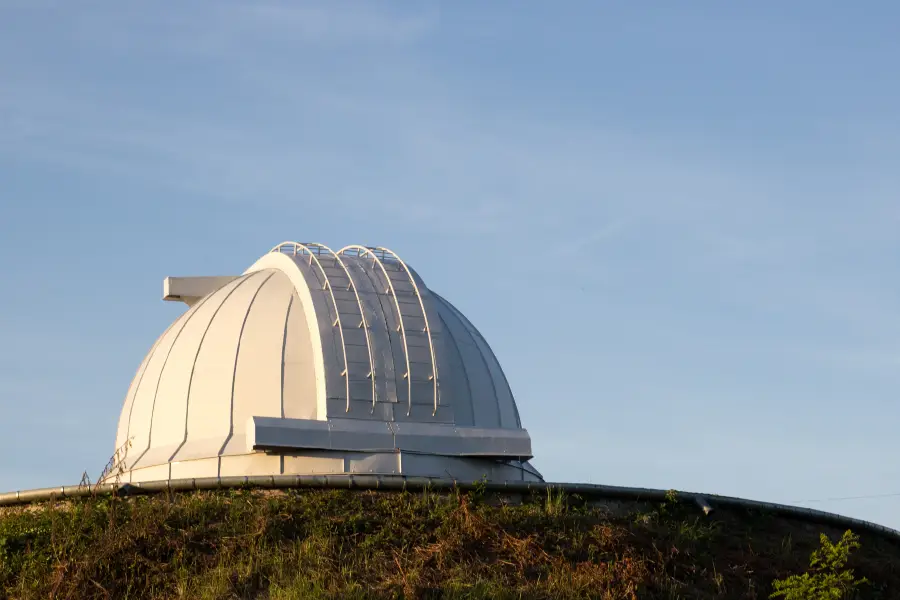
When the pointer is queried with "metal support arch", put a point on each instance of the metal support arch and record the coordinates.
(294, 246)
(434, 367)
(363, 251)
(365, 322)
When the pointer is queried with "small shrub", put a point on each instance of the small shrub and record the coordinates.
(828, 577)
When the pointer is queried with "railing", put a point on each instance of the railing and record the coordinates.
(434, 367)
(380, 256)
(364, 323)
(296, 248)
(362, 251)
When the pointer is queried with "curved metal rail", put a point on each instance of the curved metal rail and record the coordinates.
(363, 251)
(364, 324)
(305, 250)
(434, 367)
(707, 502)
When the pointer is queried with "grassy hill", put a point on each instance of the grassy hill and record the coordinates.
(359, 544)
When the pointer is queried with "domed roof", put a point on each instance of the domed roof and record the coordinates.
(314, 361)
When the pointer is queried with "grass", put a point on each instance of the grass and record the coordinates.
(356, 544)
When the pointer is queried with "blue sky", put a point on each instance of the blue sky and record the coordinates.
(676, 223)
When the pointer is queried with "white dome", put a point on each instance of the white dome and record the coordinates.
(320, 362)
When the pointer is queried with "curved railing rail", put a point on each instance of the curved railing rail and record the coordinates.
(707, 502)
(364, 324)
(298, 248)
(356, 250)
(412, 280)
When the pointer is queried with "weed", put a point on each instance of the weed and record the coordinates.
(555, 504)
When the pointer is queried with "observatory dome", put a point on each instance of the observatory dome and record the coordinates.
(319, 362)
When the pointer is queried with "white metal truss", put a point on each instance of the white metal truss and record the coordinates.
(295, 248)
(427, 330)
(364, 323)
(357, 250)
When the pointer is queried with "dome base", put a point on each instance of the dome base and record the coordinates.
(316, 462)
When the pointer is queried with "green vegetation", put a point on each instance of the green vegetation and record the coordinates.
(355, 544)
(828, 577)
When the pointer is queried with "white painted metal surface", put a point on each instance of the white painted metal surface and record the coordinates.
(316, 361)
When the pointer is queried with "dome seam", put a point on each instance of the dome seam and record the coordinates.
(140, 378)
(287, 320)
(467, 325)
(462, 362)
(187, 404)
(188, 316)
(237, 353)
(476, 335)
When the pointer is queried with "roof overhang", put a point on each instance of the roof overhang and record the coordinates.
(190, 289)
(358, 435)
